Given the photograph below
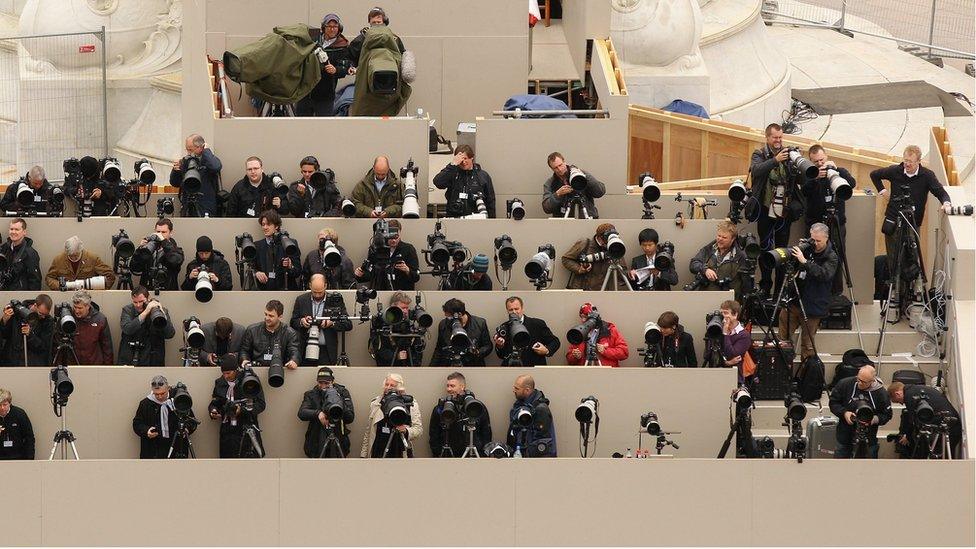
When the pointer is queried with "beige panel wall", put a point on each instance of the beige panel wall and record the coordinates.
(488, 502)
(100, 411)
(584, 20)
(197, 106)
(458, 78)
(283, 142)
(559, 308)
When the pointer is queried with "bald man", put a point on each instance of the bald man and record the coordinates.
(379, 193)
(326, 311)
(844, 399)
(209, 166)
(531, 440)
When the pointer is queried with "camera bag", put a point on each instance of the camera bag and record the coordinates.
(773, 376)
(810, 379)
(838, 314)
(909, 377)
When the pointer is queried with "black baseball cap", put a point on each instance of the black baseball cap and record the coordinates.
(325, 374)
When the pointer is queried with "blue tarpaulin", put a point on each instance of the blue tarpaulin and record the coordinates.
(686, 107)
(529, 102)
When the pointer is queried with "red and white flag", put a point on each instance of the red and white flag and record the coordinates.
(534, 13)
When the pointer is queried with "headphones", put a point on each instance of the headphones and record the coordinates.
(372, 12)
(333, 16)
(310, 160)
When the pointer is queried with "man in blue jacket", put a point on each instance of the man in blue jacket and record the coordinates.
(531, 429)
(208, 166)
(814, 280)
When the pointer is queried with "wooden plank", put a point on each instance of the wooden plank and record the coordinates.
(704, 155)
(666, 154)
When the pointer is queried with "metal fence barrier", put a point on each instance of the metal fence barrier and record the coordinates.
(53, 102)
(932, 28)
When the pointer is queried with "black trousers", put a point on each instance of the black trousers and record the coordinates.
(318, 106)
(773, 233)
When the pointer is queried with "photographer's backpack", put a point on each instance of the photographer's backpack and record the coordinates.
(810, 379)
(909, 377)
(849, 364)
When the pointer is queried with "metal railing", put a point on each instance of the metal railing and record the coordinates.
(53, 101)
(931, 28)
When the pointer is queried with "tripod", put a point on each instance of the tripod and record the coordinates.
(64, 351)
(182, 435)
(332, 443)
(654, 358)
(833, 226)
(249, 436)
(408, 450)
(471, 450)
(907, 237)
(742, 430)
(933, 441)
(446, 450)
(63, 438)
(591, 357)
(575, 208)
(860, 440)
(617, 272)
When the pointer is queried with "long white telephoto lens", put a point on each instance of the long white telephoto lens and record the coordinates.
(93, 283)
(839, 186)
(348, 208)
(652, 333)
(194, 336)
(538, 266)
(331, 256)
(203, 290)
(649, 188)
(25, 194)
(145, 173)
(615, 246)
(112, 170)
(737, 191)
(411, 204)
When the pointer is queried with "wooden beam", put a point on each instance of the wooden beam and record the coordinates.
(666, 154)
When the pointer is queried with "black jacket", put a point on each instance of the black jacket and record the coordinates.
(385, 349)
(269, 261)
(258, 342)
(818, 195)
(101, 206)
(515, 436)
(153, 352)
(401, 280)
(815, 279)
(147, 415)
(472, 183)
(735, 267)
(325, 203)
(9, 201)
(245, 200)
(919, 187)
(315, 434)
(231, 435)
(461, 282)
(342, 278)
(553, 205)
(210, 343)
(332, 305)
(842, 400)
(679, 351)
(18, 432)
(939, 404)
(662, 282)
(217, 265)
(455, 434)
(481, 345)
(23, 270)
(209, 167)
(39, 342)
(171, 259)
(761, 168)
(540, 333)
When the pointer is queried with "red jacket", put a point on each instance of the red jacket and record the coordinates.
(93, 340)
(616, 349)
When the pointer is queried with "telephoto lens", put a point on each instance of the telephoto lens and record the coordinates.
(288, 244)
(348, 208)
(795, 408)
(278, 184)
(473, 408)
(737, 191)
(194, 333)
(66, 321)
(331, 256)
(181, 398)
(650, 192)
(742, 399)
(191, 175)
(961, 210)
(515, 209)
(652, 334)
(664, 259)
(616, 248)
(321, 178)
(803, 165)
(332, 404)
(839, 186)
(411, 204)
(577, 179)
(203, 290)
(111, 170)
(523, 416)
(518, 334)
(505, 251)
(250, 383)
(276, 371)
(421, 317)
(246, 245)
(586, 412)
(312, 345)
(449, 411)
(25, 194)
(650, 423)
(863, 409)
(460, 340)
(577, 334)
(144, 172)
(157, 318)
(714, 325)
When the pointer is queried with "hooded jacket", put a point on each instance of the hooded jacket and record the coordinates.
(279, 68)
(380, 53)
(470, 182)
(24, 266)
(93, 339)
(88, 266)
(815, 279)
(616, 348)
(217, 265)
(390, 199)
(842, 400)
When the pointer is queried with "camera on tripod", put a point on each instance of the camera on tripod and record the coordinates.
(33, 203)
(165, 207)
(579, 333)
(194, 339)
(515, 209)
(701, 281)
(396, 408)
(505, 252)
(441, 251)
(652, 339)
(539, 268)
(533, 419)
(650, 193)
(783, 257)
(411, 203)
(462, 408)
(91, 283)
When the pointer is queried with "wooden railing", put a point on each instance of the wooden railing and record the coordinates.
(944, 151)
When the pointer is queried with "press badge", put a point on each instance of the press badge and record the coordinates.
(267, 357)
(272, 275)
(250, 212)
(8, 444)
(463, 196)
(385, 430)
(37, 198)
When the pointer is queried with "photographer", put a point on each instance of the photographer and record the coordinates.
(722, 262)
(16, 431)
(474, 326)
(611, 347)
(208, 166)
(736, 342)
(221, 337)
(399, 256)
(589, 276)
(320, 101)
(39, 185)
(911, 396)
(379, 193)
(233, 420)
(342, 277)
(473, 276)
(254, 193)
(557, 191)
(389, 350)
(23, 265)
(643, 274)
(155, 422)
(93, 338)
(141, 332)
(314, 412)
(677, 345)
(273, 269)
(218, 270)
(455, 433)
(379, 430)
(917, 181)
(774, 185)
(819, 194)
(90, 184)
(317, 303)
(304, 200)
(77, 263)
(814, 279)
(38, 329)
(260, 338)
(527, 439)
(845, 396)
(170, 257)
(376, 17)
(465, 183)
(542, 342)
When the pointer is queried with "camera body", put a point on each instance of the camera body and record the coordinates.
(650, 423)
(396, 408)
(505, 252)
